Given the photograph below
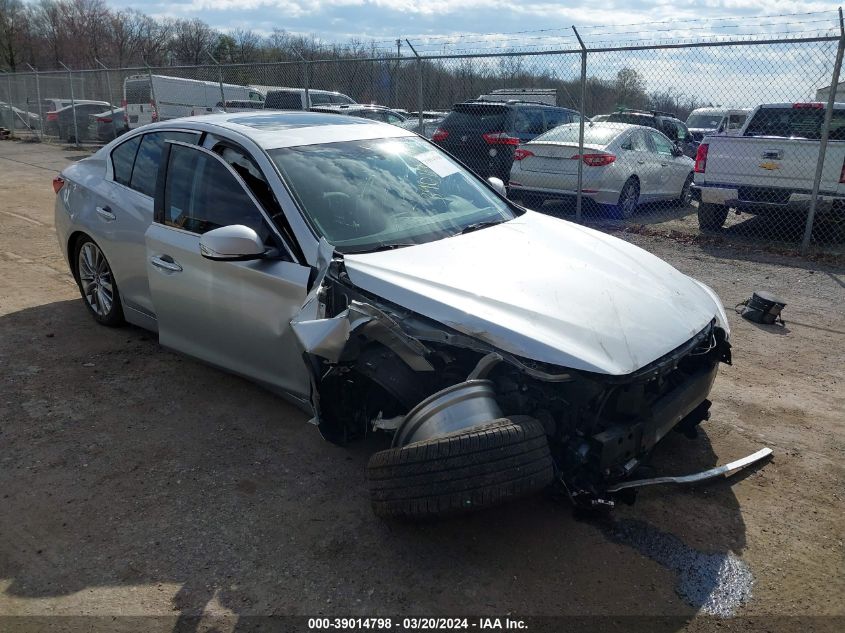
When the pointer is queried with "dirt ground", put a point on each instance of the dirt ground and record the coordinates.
(137, 482)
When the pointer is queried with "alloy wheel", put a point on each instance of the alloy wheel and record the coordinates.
(95, 278)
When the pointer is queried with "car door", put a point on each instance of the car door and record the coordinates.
(124, 210)
(640, 157)
(233, 314)
(665, 164)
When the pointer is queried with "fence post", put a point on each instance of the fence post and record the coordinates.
(219, 80)
(38, 96)
(72, 107)
(825, 133)
(111, 103)
(579, 198)
(11, 112)
(305, 79)
(152, 92)
(419, 86)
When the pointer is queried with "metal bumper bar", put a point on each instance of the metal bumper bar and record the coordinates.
(727, 469)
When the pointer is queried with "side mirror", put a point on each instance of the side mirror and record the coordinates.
(498, 185)
(231, 243)
(689, 138)
(677, 151)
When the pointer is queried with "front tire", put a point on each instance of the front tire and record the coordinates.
(96, 284)
(711, 217)
(467, 470)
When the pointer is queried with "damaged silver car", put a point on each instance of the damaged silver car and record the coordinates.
(367, 276)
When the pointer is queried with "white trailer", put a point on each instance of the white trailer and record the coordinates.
(168, 97)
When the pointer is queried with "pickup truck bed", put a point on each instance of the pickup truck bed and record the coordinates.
(770, 166)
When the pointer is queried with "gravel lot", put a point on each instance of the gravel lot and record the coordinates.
(135, 481)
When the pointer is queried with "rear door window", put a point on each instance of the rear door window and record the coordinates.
(318, 98)
(555, 117)
(122, 158)
(138, 91)
(529, 122)
(476, 117)
(149, 156)
(283, 100)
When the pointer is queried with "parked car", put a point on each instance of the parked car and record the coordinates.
(107, 125)
(431, 121)
(667, 123)
(769, 167)
(61, 122)
(294, 99)
(16, 119)
(623, 166)
(708, 121)
(372, 112)
(149, 98)
(366, 274)
(483, 135)
(51, 104)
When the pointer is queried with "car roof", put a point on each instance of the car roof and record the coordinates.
(272, 130)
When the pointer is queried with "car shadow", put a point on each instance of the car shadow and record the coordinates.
(128, 466)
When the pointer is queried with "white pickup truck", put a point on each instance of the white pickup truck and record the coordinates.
(770, 165)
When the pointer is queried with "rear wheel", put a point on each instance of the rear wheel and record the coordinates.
(629, 200)
(468, 470)
(686, 193)
(711, 217)
(97, 284)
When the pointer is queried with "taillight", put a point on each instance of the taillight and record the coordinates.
(58, 183)
(52, 116)
(521, 154)
(103, 119)
(701, 158)
(596, 160)
(123, 103)
(439, 134)
(808, 106)
(500, 138)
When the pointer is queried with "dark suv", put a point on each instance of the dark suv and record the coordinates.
(667, 123)
(484, 134)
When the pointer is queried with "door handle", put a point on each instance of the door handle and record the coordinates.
(641, 162)
(169, 266)
(106, 214)
(664, 164)
(775, 154)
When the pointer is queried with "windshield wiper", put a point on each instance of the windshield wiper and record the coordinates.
(479, 225)
(383, 247)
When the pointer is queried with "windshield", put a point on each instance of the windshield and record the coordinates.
(371, 194)
(705, 121)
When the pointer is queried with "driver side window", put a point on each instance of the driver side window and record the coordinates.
(201, 194)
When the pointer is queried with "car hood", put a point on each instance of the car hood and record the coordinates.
(545, 289)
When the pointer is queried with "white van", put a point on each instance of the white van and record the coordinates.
(280, 98)
(173, 97)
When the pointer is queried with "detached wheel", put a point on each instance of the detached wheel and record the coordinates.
(629, 200)
(711, 217)
(97, 285)
(468, 470)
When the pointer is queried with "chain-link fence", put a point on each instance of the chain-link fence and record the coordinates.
(666, 136)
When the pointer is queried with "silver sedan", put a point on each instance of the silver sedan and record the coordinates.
(623, 166)
(361, 272)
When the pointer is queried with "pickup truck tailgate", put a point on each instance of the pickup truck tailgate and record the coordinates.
(782, 163)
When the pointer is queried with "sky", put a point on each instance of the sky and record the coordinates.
(417, 20)
(733, 76)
